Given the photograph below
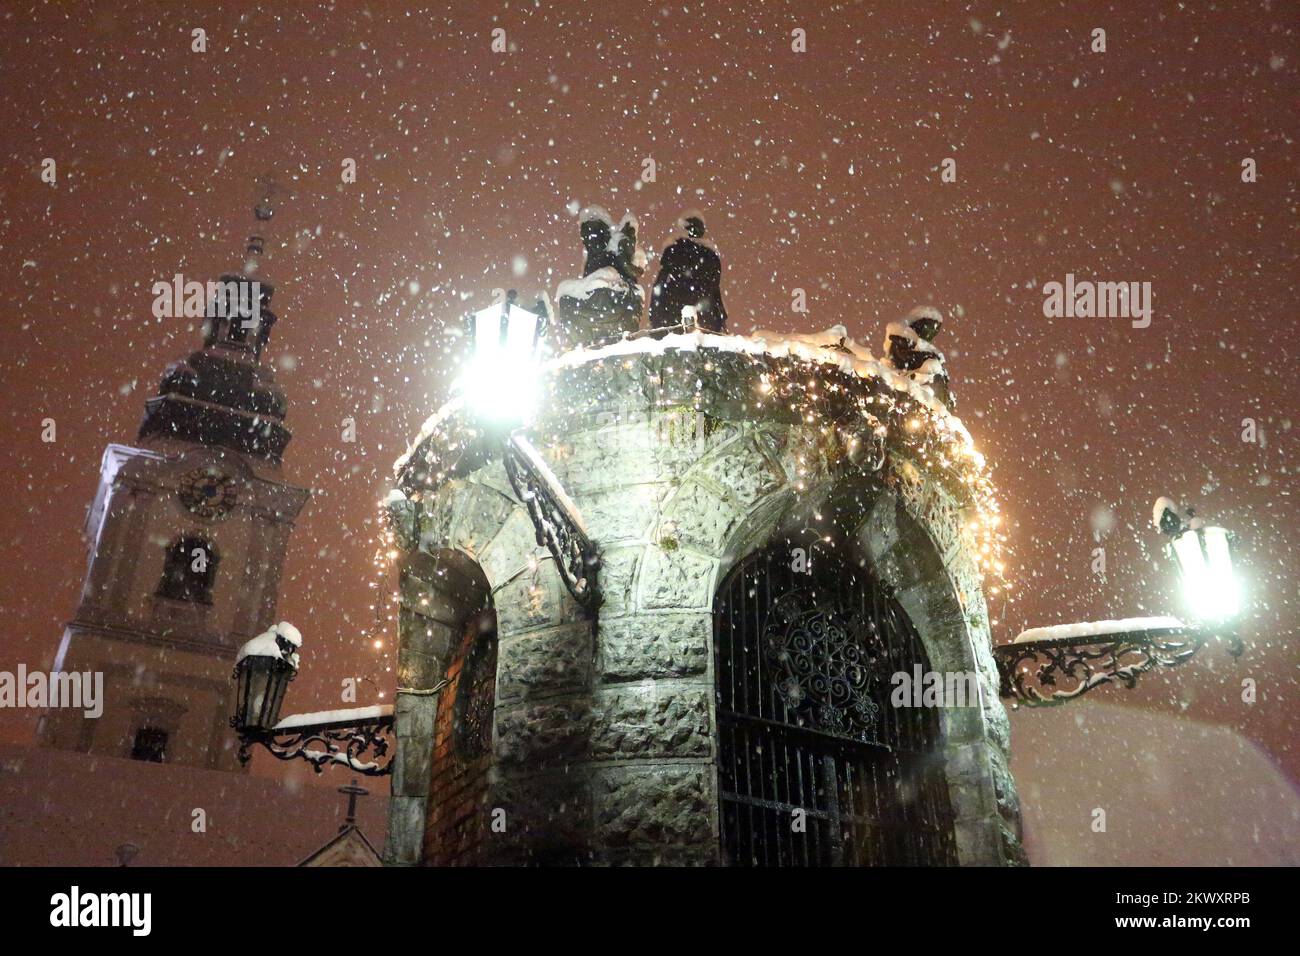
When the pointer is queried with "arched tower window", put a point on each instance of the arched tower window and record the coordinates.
(815, 767)
(190, 570)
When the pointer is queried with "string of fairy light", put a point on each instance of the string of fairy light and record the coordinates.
(386, 550)
(828, 401)
(938, 444)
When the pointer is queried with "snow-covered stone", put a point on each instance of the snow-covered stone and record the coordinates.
(680, 464)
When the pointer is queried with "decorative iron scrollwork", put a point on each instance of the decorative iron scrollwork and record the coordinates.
(1046, 673)
(361, 746)
(555, 521)
(826, 665)
(476, 700)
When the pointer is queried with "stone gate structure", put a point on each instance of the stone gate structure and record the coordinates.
(530, 731)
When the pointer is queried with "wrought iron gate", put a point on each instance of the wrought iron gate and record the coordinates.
(805, 643)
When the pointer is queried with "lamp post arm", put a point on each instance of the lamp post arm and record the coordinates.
(358, 739)
(1048, 672)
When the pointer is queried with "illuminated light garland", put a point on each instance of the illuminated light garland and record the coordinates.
(905, 417)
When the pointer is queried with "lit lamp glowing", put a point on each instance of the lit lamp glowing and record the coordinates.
(1204, 557)
(1052, 665)
(500, 381)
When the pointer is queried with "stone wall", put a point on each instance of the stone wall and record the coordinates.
(604, 743)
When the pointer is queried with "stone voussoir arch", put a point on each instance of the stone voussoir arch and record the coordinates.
(908, 527)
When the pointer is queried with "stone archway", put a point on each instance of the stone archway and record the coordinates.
(815, 768)
(440, 591)
(475, 548)
(605, 736)
(897, 535)
(904, 535)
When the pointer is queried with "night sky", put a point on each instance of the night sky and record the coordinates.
(817, 170)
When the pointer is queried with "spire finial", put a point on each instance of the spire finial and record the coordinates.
(268, 188)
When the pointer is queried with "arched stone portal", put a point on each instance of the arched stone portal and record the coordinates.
(815, 766)
(606, 728)
(441, 592)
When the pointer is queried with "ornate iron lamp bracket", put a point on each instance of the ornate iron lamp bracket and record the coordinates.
(555, 518)
(1050, 672)
(359, 743)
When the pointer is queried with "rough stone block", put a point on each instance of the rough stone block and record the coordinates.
(413, 727)
(608, 459)
(664, 807)
(438, 514)
(509, 551)
(534, 600)
(653, 646)
(622, 515)
(546, 734)
(996, 723)
(423, 652)
(479, 516)
(616, 577)
(979, 842)
(547, 819)
(698, 518)
(742, 473)
(549, 661)
(678, 579)
(405, 830)
(652, 719)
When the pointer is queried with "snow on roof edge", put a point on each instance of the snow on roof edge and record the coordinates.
(1058, 632)
(350, 714)
(806, 347)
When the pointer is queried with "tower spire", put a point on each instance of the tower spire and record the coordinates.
(222, 395)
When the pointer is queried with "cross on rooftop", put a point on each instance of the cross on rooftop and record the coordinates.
(353, 791)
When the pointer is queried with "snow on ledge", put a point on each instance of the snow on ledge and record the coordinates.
(604, 278)
(1128, 625)
(354, 715)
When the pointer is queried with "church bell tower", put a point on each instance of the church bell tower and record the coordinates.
(187, 533)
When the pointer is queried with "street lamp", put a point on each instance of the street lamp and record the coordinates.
(1052, 665)
(1204, 558)
(500, 382)
(355, 738)
(263, 669)
(499, 386)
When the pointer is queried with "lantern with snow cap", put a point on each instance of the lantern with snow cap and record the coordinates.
(1050, 665)
(356, 738)
(263, 670)
(500, 382)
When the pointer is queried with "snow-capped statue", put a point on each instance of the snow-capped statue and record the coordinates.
(909, 348)
(1168, 519)
(607, 301)
(689, 285)
(611, 247)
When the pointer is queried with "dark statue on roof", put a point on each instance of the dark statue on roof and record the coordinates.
(688, 289)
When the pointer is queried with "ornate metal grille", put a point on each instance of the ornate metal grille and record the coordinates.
(476, 698)
(815, 767)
